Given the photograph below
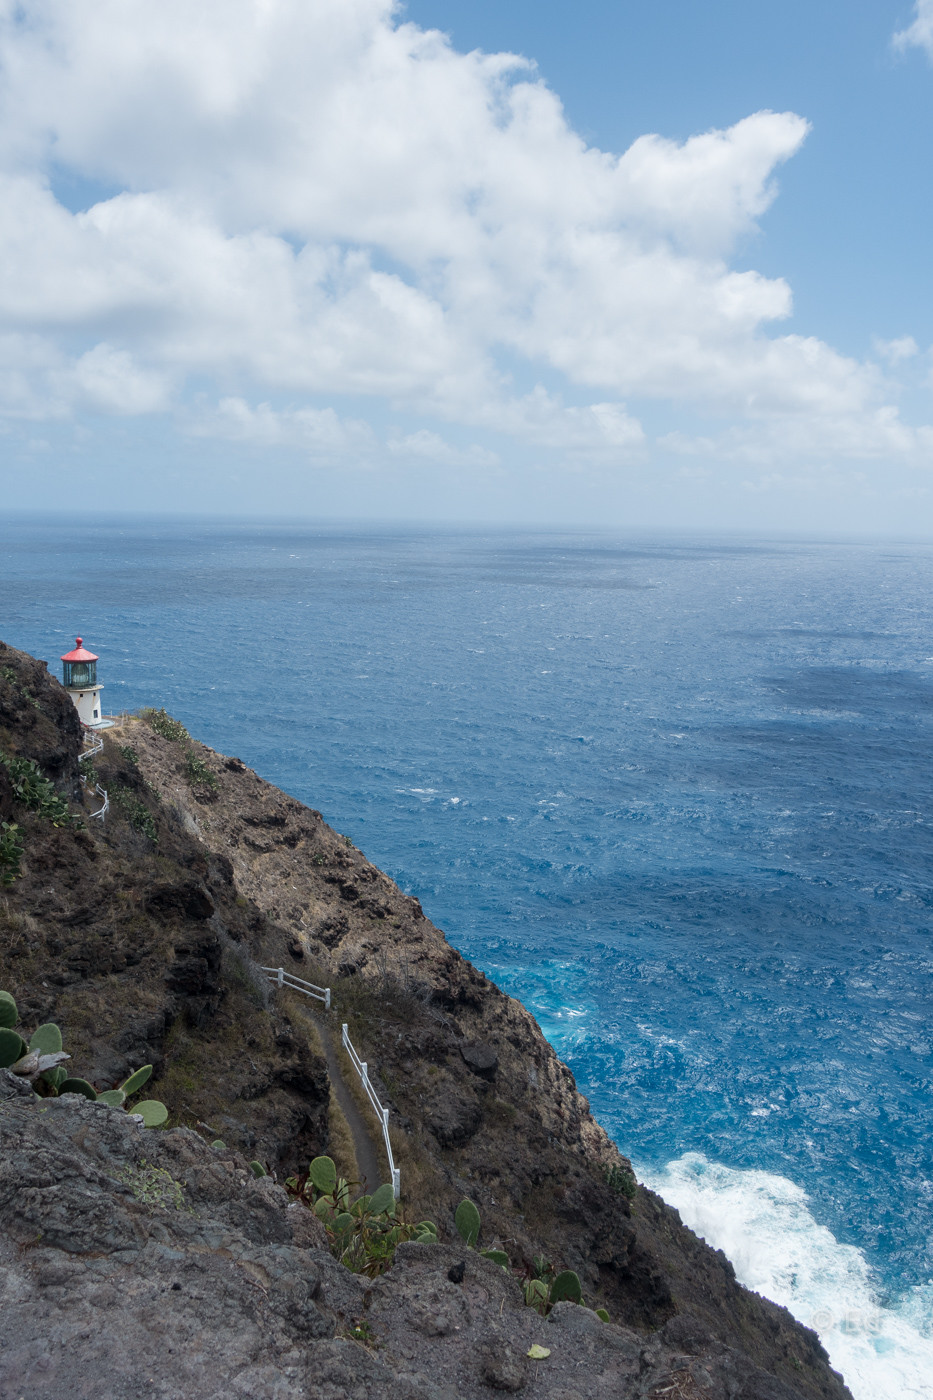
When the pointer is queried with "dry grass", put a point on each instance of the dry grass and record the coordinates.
(352, 1081)
(342, 1149)
(299, 1013)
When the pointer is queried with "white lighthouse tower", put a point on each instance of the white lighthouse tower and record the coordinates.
(80, 679)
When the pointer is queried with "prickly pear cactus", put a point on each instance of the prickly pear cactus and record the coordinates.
(566, 1288)
(78, 1086)
(137, 1079)
(8, 1012)
(12, 1047)
(323, 1175)
(467, 1222)
(46, 1039)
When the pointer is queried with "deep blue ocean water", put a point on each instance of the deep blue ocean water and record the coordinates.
(674, 794)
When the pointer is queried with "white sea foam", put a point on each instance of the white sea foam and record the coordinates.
(762, 1222)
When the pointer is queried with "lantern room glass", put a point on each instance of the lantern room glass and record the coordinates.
(80, 675)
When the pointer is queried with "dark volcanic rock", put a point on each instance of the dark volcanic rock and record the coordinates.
(143, 1263)
(189, 900)
(453, 1117)
(6, 795)
(501, 1366)
(37, 717)
(482, 1060)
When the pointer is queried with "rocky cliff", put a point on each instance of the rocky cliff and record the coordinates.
(142, 935)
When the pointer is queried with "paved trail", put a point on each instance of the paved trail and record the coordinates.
(370, 1158)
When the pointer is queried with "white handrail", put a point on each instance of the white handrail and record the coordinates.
(382, 1114)
(281, 978)
(96, 747)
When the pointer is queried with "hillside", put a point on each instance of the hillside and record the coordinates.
(142, 936)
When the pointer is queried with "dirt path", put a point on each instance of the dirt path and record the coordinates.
(370, 1158)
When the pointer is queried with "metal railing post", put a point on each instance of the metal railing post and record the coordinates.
(281, 976)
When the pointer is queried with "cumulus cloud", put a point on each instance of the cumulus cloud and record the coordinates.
(426, 446)
(310, 201)
(878, 435)
(319, 432)
(920, 33)
(904, 347)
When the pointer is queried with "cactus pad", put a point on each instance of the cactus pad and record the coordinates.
(78, 1086)
(153, 1112)
(566, 1288)
(47, 1039)
(382, 1202)
(8, 1012)
(467, 1222)
(323, 1174)
(137, 1079)
(12, 1047)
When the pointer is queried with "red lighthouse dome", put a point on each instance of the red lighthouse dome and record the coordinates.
(80, 653)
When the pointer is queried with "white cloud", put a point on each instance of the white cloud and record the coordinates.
(319, 432)
(894, 351)
(109, 381)
(594, 430)
(308, 201)
(879, 435)
(431, 447)
(920, 33)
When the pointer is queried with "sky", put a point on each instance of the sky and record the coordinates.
(599, 263)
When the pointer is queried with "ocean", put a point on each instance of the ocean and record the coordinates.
(673, 793)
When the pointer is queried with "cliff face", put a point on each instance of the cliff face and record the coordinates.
(137, 1263)
(141, 937)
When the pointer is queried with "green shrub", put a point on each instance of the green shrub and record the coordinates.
(137, 813)
(163, 724)
(35, 791)
(11, 852)
(198, 773)
(129, 754)
(621, 1181)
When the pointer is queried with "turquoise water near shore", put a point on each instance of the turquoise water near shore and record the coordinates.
(675, 794)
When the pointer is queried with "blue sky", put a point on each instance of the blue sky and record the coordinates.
(601, 263)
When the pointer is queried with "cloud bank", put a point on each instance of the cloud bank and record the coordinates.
(285, 222)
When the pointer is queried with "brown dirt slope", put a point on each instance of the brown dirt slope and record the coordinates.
(154, 945)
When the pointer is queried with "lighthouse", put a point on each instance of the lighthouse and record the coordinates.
(79, 669)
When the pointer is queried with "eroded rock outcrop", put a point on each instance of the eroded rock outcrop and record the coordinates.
(136, 1263)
